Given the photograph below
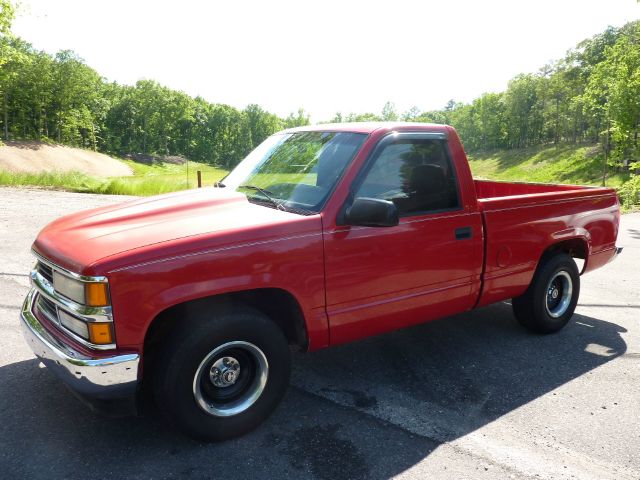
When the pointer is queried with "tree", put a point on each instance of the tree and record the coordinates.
(522, 116)
(299, 120)
(411, 114)
(7, 13)
(7, 57)
(389, 113)
(613, 97)
(337, 118)
(14, 57)
(592, 94)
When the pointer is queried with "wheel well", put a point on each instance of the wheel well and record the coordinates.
(575, 247)
(277, 304)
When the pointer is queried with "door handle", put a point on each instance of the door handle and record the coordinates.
(463, 233)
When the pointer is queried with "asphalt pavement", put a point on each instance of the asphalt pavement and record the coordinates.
(470, 396)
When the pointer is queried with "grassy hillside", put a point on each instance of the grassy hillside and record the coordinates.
(81, 170)
(563, 164)
(146, 180)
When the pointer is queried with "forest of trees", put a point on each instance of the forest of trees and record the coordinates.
(61, 99)
(590, 96)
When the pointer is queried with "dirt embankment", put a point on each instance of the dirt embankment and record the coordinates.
(36, 157)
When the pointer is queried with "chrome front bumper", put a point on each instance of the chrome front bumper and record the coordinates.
(99, 377)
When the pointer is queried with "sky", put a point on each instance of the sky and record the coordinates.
(324, 56)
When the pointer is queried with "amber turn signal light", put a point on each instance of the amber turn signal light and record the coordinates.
(96, 294)
(100, 333)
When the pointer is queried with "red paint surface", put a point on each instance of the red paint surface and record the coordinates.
(350, 282)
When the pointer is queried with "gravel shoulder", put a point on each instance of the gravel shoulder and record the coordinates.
(471, 396)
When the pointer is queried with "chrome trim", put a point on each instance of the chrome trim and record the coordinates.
(239, 405)
(47, 311)
(552, 293)
(58, 324)
(90, 314)
(98, 377)
(69, 273)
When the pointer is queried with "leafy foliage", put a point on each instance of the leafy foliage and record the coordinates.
(147, 179)
(592, 95)
(7, 12)
(59, 98)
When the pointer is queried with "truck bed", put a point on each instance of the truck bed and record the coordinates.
(521, 220)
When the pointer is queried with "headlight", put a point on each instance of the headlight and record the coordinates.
(77, 326)
(93, 294)
(99, 333)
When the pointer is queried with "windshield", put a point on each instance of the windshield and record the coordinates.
(295, 171)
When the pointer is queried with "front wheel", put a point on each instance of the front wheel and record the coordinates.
(221, 375)
(552, 296)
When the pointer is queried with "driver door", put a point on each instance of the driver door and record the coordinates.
(384, 278)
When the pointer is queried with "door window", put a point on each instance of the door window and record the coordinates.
(415, 174)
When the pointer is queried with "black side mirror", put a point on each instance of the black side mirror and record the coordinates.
(372, 212)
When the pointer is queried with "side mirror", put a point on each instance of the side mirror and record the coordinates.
(372, 212)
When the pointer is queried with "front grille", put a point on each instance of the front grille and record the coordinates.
(46, 271)
(48, 308)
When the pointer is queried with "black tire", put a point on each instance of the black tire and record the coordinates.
(552, 296)
(182, 357)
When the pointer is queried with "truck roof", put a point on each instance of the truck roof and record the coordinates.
(368, 127)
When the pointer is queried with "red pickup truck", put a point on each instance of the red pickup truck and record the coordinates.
(322, 235)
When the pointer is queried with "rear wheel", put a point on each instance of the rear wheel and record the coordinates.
(552, 296)
(220, 376)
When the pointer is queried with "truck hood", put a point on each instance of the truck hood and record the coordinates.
(94, 242)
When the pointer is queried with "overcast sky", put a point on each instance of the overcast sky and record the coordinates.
(325, 56)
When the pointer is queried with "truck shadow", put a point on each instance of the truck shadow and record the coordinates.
(371, 409)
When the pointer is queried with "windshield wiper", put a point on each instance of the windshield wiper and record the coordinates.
(267, 194)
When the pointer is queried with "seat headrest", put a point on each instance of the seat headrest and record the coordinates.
(428, 179)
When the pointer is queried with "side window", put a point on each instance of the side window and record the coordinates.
(415, 174)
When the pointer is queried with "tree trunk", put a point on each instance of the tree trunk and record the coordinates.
(144, 135)
(93, 136)
(606, 155)
(6, 117)
(557, 133)
(574, 138)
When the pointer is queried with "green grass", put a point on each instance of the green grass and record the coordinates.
(146, 180)
(569, 164)
(71, 180)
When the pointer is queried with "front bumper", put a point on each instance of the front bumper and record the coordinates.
(96, 378)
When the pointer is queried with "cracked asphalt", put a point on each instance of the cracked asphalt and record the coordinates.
(470, 396)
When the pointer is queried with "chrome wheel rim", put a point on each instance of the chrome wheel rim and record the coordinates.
(230, 379)
(558, 294)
